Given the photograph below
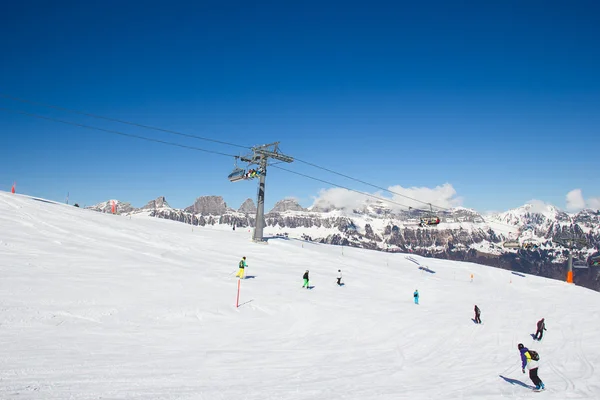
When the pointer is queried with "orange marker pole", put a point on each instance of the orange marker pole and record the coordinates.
(570, 270)
(12, 190)
(237, 301)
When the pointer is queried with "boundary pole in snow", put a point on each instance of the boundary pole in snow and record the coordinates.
(237, 301)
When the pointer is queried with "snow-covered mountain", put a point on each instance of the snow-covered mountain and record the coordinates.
(463, 233)
(101, 307)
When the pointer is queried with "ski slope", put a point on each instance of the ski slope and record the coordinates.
(101, 306)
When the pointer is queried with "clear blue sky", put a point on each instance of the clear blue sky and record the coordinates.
(499, 99)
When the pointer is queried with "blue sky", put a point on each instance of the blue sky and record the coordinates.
(499, 100)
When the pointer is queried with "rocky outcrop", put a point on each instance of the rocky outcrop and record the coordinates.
(286, 205)
(248, 207)
(106, 207)
(160, 202)
(208, 205)
(462, 235)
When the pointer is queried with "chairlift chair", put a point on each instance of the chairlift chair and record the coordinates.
(511, 244)
(595, 261)
(430, 219)
(238, 174)
(579, 264)
(529, 244)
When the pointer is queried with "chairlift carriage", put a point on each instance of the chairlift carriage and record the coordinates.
(238, 173)
(511, 244)
(529, 244)
(595, 261)
(430, 219)
(579, 264)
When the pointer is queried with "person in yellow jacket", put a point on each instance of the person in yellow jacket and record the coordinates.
(242, 267)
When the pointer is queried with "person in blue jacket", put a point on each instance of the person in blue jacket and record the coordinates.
(416, 296)
(531, 365)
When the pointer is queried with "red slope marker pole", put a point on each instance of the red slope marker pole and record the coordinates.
(237, 301)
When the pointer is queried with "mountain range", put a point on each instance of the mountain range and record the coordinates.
(463, 234)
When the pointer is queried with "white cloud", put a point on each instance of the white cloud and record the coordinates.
(538, 206)
(340, 198)
(576, 201)
(594, 203)
(442, 196)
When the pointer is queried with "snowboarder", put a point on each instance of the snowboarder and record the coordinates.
(416, 296)
(242, 265)
(532, 365)
(305, 277)
(541, 327)
(477, 315)
(339, 277)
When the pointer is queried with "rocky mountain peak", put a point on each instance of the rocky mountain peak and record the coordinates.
(287, 205)
(106, 207)
(208, 205)
(247, 207)
(159, 202)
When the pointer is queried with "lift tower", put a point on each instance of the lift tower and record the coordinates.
(571, 241)
(260, 156)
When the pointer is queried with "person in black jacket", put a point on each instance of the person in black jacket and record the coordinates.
(541, 327)
(477, 315)
(305, 277)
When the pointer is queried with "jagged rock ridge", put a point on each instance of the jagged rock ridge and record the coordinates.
(463, 234)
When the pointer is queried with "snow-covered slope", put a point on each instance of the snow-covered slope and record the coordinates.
(103, 306)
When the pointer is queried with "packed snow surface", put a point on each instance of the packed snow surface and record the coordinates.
(100, 306)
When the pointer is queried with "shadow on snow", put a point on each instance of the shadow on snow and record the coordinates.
(516, 382)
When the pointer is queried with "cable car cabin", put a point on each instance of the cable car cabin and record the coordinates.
(238, 174)
(529, 244)
(430, 221)
(511, 244)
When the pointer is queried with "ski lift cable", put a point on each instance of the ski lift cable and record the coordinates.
(120, 121)
(144, 126)
(179, 145)
(367, 183)
(114, 132)
(344, 187)
(236, 157)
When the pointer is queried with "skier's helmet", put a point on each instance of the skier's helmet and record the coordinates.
(244, 257)
(339, 270)
(520, 346)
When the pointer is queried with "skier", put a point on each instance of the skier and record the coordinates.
(242, 265)
(416, 296)
(532, 366)
(305, 277)
(339, 277)
(477, 315)
(541, 327)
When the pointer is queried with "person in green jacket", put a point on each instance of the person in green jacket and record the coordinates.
(242, 265)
